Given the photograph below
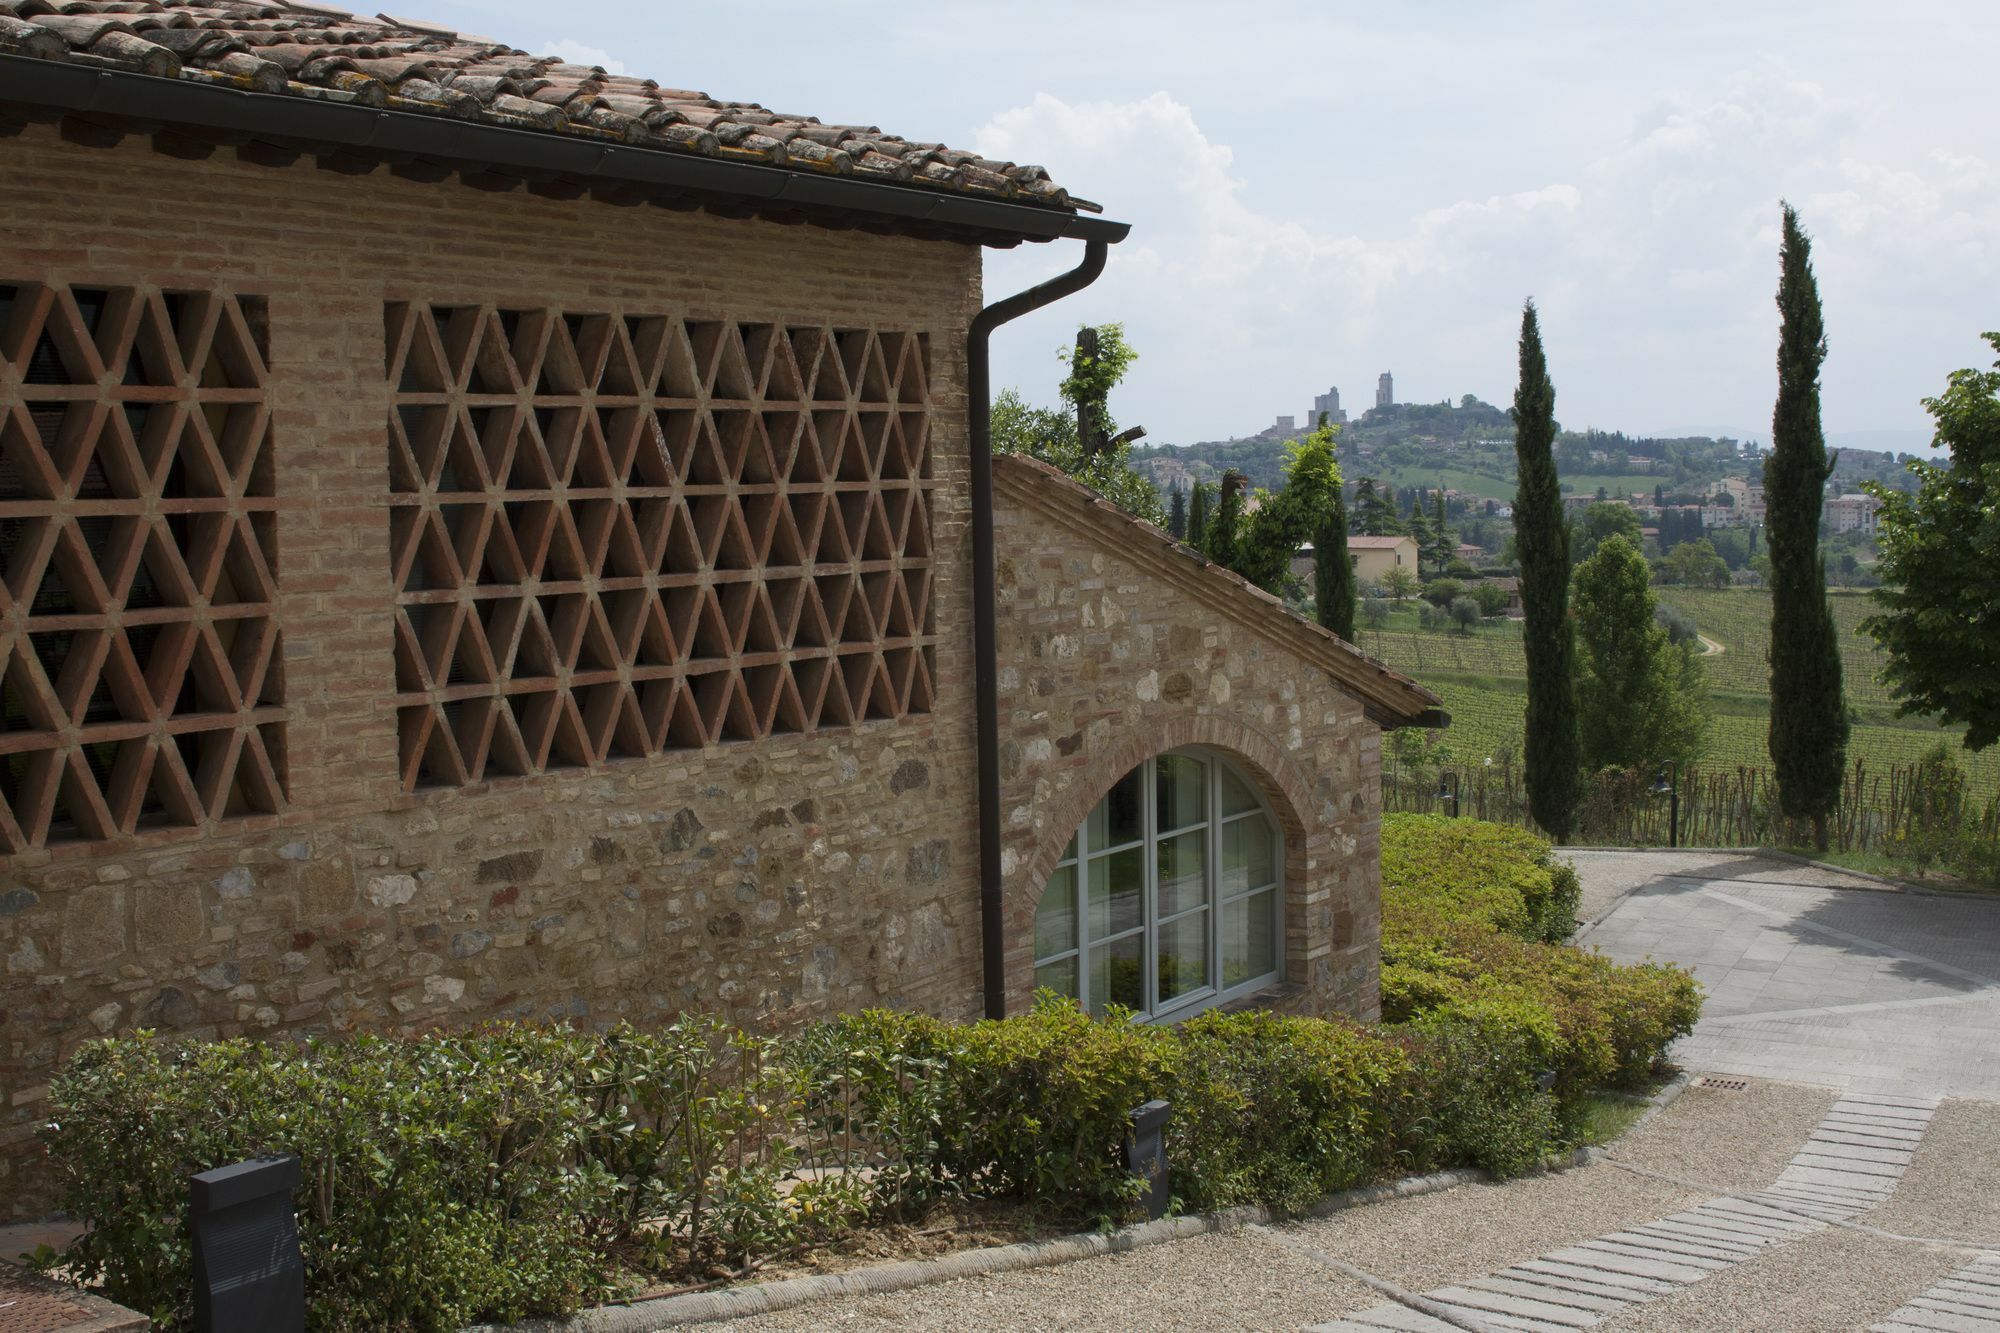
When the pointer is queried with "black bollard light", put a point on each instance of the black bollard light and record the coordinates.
(1146, 1155)
(248, 1274)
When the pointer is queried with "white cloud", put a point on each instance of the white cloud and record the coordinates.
(1654, 264)
(573, 52)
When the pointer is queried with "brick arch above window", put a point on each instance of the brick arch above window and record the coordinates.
(1283, 786)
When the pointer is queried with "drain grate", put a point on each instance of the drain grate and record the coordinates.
(1724, 1084)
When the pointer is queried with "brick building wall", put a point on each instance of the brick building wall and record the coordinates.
(772, 879)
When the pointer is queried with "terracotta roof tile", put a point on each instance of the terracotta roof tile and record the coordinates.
(318, 50)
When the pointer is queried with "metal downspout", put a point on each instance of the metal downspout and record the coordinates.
(985, 626)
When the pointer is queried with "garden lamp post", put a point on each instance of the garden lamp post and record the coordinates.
(1448, 791)
(1668, 784)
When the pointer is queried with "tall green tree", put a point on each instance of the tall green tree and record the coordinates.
(1441, 533)
(1198, 510)
(1808, 714)
(1638, 695)
(1601, 519)
(1541, 544)
(1940, 548)
(1375, 514)
(1419, 528)
(1177, 513)
(1269, 537)
(1219, 542)
(1103, 460)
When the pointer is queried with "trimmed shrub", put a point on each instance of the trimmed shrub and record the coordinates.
(433, 1190)
(1283, 1111)
(1441, 869)
(1472, 919)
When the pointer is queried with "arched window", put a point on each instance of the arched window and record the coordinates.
(1167, 900)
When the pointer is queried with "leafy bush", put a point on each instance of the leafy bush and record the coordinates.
(433, 1184)
(1465, 869)
(1473, 919)
(1282, 1111)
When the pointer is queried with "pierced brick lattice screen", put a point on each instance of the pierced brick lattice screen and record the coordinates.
(616, 535)
(139, 669)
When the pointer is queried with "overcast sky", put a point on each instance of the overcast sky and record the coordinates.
(1320, 192)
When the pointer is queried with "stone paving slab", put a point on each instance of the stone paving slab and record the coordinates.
(1580, 1286)
(1968, 1301)
(1872, 992)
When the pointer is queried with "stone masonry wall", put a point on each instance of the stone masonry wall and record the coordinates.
(1111, 653)
(771, 880)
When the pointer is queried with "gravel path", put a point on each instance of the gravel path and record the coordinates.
(1952, 1189)
(1728, 1140)
(1833, 1280)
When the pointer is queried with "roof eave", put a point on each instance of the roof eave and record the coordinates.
(319, 125)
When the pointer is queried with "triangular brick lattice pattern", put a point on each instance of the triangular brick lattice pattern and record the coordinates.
(140, 679)
(615, 535)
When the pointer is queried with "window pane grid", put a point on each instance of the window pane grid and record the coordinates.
(1154, 923)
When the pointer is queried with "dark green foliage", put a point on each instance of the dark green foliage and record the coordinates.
(1442, 543)
(1638, 695)
(1081, 442)
(1220, 538)
(1177, 513)
(1375, 513)
(1269, 539)
(1808, 714)
(1599, 520)
(1333, 572)
(1940, 562)
(1541, 544)
(1198, 510)
(1695, 564)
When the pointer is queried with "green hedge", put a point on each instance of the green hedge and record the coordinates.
(1471, 916)
(1464, 869)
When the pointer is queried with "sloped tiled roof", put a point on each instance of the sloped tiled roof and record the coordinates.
(1390, 698)
(323, 53)
(1364, 543)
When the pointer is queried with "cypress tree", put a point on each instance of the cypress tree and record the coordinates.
(1333, 572)
(1541, 541)
(1220, 540)
(1421, 531)
(1808, 715)
(1197, 523)
(1177, 515)
(1440, 533)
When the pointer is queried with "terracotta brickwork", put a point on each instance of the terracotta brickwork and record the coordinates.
(828, 865)
(1113, 650)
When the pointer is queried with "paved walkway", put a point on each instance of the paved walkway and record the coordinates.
(1852, 1163)
(1867, 990)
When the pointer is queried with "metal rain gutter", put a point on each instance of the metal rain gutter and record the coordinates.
(985, 615)
(536, 154)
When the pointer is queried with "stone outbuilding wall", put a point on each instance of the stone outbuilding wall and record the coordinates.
(1117, 644)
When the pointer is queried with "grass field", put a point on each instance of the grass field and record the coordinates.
(1482, 679)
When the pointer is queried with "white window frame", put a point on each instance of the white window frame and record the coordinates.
(1080, 853)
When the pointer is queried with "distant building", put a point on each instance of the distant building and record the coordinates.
(1285, 426)
(1852, 513)
(1374, 557)
(1469, 552)
(1327, 405)
(1385, 391)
